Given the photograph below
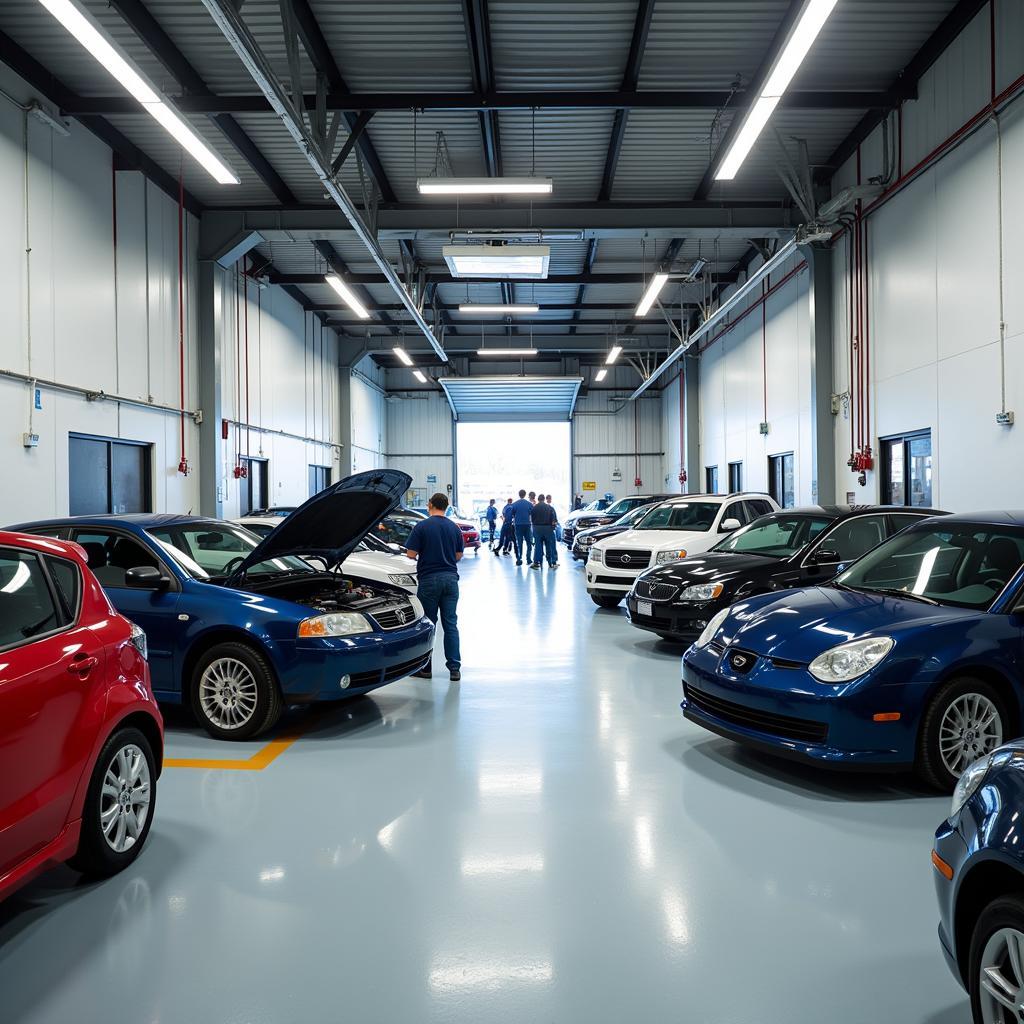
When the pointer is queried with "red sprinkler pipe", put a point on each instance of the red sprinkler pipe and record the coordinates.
(682, 425)
(183, 464)
(245, 280)
(238, 375)
(867, 342)
(764, 345)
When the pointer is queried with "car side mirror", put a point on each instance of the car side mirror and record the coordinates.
(825, 556)
(728, 525)
(146, 577)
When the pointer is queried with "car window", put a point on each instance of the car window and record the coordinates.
(206, 550)
(899, 521)
(776, 537)
(694, 516)
(758, 507)
(735, 510)
(27, 609)
(962, 565)
(110, 555)
(855, 537)
(67, 578)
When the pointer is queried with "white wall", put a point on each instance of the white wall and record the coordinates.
(419, 432)
(293, 390)
(369, 417)
(90, 327)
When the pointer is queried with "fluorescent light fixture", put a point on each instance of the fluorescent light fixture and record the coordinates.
(613, 353)
(420, 376)
(403, 355)
(601, 374)
(85, 29)
(506, 352)
(812, 18)
(653, 291)
(348, 295)
(499, 261)
(510, 308)
(485, 186)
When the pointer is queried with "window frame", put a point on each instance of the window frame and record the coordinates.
(736, 468)
(780, 459)
(885, 463)
(165, 566)
(64, 623)
(822, 538)
(711, 486)
(147, 468)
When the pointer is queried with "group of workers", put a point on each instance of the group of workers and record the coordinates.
(527, 527)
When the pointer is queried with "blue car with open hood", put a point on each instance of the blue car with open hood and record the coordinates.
(239, 627)
(913, 657)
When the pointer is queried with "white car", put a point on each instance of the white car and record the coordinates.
(370, 561)
(687, 525)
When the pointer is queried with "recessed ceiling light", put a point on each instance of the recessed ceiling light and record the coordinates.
(510, 307)
(402, 355)
(89, 33)
(517, 352)
(484, 186)
(653, 291)
(499, 261)
(348, 295)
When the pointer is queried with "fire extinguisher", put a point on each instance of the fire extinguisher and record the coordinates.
(682, 476)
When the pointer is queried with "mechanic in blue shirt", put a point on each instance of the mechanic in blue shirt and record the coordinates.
(436, 544)
(524, 532)
(492, 518)
(508, 530)
(544, 519)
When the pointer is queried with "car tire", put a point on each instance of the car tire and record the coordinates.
(121, 790)
(235, 695)
(606, 600)
(938, 764)
(1001, 920)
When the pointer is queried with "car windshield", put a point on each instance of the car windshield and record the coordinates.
(622, 506)
(213, 550)
(634, 517)
(963, 565)
(395, 528)
(690, 516)
(775, 536)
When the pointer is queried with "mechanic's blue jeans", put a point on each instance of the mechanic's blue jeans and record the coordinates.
(439, 592)
(544, 545)
(524, 537)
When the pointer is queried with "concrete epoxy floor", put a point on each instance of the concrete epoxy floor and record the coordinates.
(548, 841)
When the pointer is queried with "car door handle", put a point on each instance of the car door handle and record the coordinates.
(83, 664)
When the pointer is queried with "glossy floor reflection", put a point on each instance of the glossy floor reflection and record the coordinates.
(548, 841)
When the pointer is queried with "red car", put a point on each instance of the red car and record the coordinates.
(81, 739)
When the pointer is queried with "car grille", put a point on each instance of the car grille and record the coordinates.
(624, 559)
(783, 726)
(395, 616)
(656, 591)
(390, 674)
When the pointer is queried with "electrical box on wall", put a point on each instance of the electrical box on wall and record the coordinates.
(764, 429)
(30, 440)
(1004, 419)
(617, 475)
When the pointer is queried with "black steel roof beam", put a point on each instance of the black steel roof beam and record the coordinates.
(323, 60)
(160, 44)
(630, 79)
(647, 99)
(441, 277)
(756, 85)
(904, 86)
(588, 267)
(130, 156)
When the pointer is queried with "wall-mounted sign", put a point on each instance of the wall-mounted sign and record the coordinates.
(431, 478)
(589, 485)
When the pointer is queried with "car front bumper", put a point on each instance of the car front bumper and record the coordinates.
(785, 711)
(314, 669)
(603, 580)
(684, 622)
(953, 850)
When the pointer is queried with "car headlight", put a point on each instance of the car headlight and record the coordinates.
(138, 641)
(417, 607)
(702, 592)
(597, 555)
(669, 556)
(712, 628)
(970, 782)
(403, 579)
(335, 624)
(848, 661)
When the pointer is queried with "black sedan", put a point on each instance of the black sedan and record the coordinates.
(585, 540)
(612, 514)
(794, 548)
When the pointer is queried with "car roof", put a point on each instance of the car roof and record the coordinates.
(842, 511)
(999, 518)
(141, 520)
(721, 498)
(44, 545)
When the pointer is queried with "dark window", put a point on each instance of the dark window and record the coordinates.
(68, 580)
(756, 508)
(856, 537)
(907, 469)
(735, 477)
(711, 479)
(900, 521)
(780, 479)
(110, 555)
(27, 608)
(108, 476)
(736, 511)
(319, 478)
(254, 485)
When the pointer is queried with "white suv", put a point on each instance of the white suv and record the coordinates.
(687, 525)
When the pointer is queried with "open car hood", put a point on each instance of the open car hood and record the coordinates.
(333, 522)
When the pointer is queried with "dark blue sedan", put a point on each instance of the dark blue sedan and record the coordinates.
(911, 657)
(240, 627)
(979, 881)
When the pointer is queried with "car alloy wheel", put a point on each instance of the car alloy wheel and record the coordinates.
(125, 798)
(228, 693)
(1001, 978)
(970, 728)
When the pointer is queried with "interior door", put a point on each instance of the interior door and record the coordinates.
(49, 671)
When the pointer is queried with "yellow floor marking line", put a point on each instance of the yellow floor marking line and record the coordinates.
(263, 757)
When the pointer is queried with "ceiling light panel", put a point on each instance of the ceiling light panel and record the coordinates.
(517, 352)
(348, 296)
(653, 291)
(504, 308)
(509, 262)
(485, 186)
